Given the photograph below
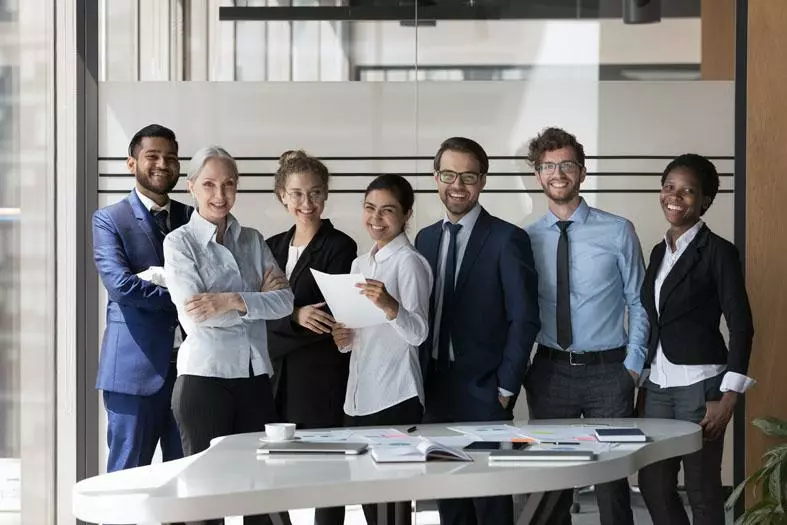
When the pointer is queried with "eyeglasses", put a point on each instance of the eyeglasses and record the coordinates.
(470, 178)
(567, 167)
(316, 196)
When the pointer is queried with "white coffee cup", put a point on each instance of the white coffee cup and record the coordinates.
(280, 431)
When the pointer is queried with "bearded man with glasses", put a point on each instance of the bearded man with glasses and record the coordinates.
(483, 313)
(590, 270)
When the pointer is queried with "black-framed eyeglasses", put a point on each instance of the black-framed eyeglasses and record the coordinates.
(316, 196)
(469, 178)
(567, 167)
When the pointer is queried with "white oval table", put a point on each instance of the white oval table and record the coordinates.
(229, 480)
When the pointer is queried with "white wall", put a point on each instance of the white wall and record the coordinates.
(404, 119)
(526, 42)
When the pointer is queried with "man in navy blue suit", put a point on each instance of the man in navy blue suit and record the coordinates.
(483, 316)
(136, 369)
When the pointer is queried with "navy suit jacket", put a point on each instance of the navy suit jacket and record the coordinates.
(495, 318)
(141, 320)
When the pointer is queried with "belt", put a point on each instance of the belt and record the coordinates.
(614, 355)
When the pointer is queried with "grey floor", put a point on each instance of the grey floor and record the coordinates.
(588, 512)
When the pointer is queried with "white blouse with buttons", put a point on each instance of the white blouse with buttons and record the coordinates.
(384, 365)
(226, 345)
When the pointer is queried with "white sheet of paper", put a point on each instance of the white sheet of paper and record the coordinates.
(347, 304)
(327, 436)
(490, 432)
(552, 433)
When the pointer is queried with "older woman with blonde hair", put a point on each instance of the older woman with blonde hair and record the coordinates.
(225, 284)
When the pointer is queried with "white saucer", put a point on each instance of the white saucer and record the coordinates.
(273, 441)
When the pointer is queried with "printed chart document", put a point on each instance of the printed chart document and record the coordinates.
(422, 450)
(347, 304)
(492, 432)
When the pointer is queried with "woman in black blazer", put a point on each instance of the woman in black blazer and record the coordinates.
(312, 373)
(694, 277)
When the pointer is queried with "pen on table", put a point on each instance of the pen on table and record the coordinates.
(573, 443)
(412, 429)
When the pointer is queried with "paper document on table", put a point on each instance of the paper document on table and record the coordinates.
(491, 432)
(347, 304)
(558, 433)
(383, 437)
(327, 436)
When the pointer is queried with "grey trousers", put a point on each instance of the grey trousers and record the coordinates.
(560, 390)
(701, 470)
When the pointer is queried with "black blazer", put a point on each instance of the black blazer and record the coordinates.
(706, 282)
(315, 370)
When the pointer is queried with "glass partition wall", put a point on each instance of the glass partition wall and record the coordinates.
(27, 258)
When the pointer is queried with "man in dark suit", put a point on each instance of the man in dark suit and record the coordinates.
(483, 316)
(136, 369)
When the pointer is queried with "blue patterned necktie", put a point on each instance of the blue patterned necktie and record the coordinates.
(161, 221)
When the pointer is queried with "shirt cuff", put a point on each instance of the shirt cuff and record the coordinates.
(504, 393)
(634, 361)
(736, 382)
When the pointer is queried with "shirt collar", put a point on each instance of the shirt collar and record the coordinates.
(151, 206)
(468, 221)
(685, 239)
(580, 215)
(396, 244)
(205, 231)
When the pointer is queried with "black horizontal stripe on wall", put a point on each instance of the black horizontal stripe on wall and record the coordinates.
(361, 191)
(493, 157)
(511, 174)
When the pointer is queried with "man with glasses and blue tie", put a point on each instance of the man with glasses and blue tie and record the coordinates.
(136, 369)
(483, 313)
(590, 270)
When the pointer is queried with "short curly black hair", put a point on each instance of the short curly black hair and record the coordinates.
(551, 139)
(700, 167)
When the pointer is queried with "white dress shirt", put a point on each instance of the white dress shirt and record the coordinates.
(152, 207)
(384, 365)
(224, 345)
(662, 371)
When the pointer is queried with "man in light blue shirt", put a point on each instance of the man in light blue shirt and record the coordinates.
(590, 271)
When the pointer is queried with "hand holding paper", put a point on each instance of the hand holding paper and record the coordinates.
(376, 292)
(349, 307)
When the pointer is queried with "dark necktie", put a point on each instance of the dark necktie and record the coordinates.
(449, 280)
(161, 221)
(564, 336)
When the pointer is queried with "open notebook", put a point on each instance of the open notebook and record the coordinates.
(424, 450)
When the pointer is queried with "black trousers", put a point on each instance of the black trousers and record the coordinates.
(209, 407)
(701, 470)
(560, 390)
(408, 412)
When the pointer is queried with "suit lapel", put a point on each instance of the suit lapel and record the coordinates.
(682, 268)
(430, 246)
(179, 214)
(474, 244)
(311, 250)
(649, 283)
(145, 222)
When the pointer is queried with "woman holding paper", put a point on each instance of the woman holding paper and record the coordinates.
(311, 375)
(385, 385)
